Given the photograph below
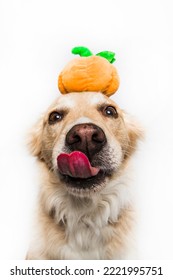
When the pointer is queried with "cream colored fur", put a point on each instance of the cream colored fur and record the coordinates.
(73, 224)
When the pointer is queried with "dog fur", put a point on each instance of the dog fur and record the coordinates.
(84, 223)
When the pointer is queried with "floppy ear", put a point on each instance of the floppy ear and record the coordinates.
(35, 138)
(135, 132)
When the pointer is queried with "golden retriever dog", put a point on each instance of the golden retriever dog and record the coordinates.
(83, 145)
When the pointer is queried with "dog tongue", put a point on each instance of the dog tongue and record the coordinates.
(76, 164)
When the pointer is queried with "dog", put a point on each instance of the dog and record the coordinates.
(83, 145)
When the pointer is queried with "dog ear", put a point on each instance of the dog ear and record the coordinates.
(35, 138)
(135, 132)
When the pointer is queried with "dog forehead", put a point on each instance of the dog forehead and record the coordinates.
(66, 101)
(73, 100)
(95, 98)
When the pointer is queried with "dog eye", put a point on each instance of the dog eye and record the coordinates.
(55, 117)
(110, 111)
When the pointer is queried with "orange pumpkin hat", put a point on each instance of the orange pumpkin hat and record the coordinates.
(89, 73)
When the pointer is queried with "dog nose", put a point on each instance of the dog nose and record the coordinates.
(87, 138)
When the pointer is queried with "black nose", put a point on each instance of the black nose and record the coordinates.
(87, 138)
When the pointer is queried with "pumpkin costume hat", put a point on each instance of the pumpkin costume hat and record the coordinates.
(89, 73)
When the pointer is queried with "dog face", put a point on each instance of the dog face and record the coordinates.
(85, 139)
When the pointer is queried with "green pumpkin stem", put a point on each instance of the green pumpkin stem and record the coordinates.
(82, 51)
(110, 56)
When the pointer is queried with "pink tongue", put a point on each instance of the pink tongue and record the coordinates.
(76, 165)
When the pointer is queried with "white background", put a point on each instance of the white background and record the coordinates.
(36, 39)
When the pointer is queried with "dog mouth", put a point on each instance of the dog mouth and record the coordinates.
(79, 174)
(76, 165)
